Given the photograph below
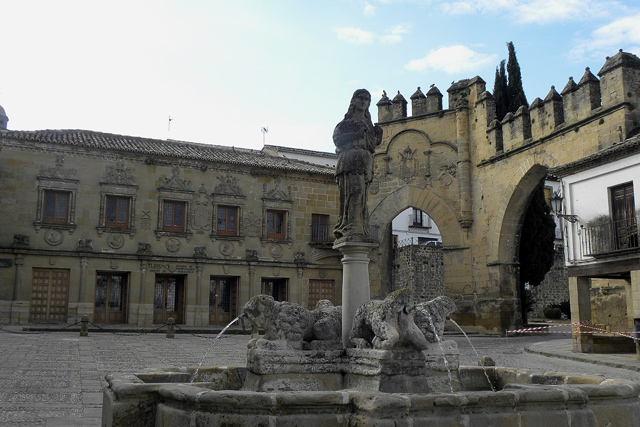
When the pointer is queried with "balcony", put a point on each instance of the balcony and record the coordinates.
(609, 237)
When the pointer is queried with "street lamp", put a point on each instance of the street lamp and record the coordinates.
(556, 207)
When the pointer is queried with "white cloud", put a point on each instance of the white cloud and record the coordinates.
(394, 34)
(354, 35)
(452, 60)
(464, 7)
(623, 33)
(369, 9)
(536, 11)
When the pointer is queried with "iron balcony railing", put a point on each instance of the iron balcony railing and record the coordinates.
(607, 237)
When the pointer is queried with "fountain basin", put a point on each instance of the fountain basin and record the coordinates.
(523, 398)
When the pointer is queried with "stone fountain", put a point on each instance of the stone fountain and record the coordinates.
(298, 374)
(366, 363)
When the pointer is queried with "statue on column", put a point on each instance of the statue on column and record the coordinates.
(355, 138)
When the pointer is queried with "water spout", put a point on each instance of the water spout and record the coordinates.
(211, 346)
(435, 333)
(475, 351)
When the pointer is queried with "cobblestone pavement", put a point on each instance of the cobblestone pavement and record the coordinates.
(56, 379)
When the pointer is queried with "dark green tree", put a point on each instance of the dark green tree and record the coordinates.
(500, 91)
(536, 241)
(515, 92)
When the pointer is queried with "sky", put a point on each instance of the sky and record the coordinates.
(224, 70)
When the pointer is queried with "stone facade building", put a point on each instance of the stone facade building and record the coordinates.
(84, 213)
(135, 230)
(474, 175)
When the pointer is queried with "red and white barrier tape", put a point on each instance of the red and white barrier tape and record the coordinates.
(587, 324)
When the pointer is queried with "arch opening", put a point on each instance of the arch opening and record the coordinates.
(511, 239)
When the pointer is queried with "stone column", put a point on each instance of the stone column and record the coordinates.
(17, 284)
(300, 284)
(84, 308)
(252, 275)
(19, 310)
(464, 165)
(199, 310)
(355, 282)
(580, 296)
(142, 305)
(84, 262)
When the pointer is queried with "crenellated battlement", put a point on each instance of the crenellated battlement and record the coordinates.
(592, 99)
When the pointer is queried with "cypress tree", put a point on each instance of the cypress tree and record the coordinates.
(536, 239)
(515, 92)
(500, 91)
(536, 244)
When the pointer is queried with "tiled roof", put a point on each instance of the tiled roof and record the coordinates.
(618, 151)
(301, 151)
(168, 148)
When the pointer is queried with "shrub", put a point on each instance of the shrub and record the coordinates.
(555, 311)
(552, 312)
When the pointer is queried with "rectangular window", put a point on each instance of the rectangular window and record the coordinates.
(548, 193)
(117, 212)
(227, 221)
(56, 207)
(173, 216)
(623, 217)
(276, 224)
(319, 228)
(416, 218)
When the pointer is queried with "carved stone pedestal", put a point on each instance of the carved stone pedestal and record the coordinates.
(392, 371)
(294, 370)
(437, 373)
(355, 280)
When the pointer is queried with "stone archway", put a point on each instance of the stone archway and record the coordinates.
(474, 174)
(504, 269)
(440, 211)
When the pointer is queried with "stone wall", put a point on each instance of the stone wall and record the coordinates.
(149, 175)
(421, 268)
(554, 288)
(609, 305)
(474, 176)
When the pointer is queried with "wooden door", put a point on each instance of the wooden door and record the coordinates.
(625, 227)
(319, 290)
(49, 295)
(111, 298)
(168, 299)
(223, 300)
(277, 288)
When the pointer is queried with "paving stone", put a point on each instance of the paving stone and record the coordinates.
(41, 397)
(57, 380)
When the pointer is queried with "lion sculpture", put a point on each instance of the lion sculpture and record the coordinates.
(289, 325)
(432, 315)
(385, 324)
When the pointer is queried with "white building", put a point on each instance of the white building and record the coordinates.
(602, 254)
(414, 227)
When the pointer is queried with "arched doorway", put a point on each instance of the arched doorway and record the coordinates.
(417, 260)
(440, 212)
(509, 241)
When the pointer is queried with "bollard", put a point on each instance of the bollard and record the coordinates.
(170, 327)
(486, 361)
(84, 326)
